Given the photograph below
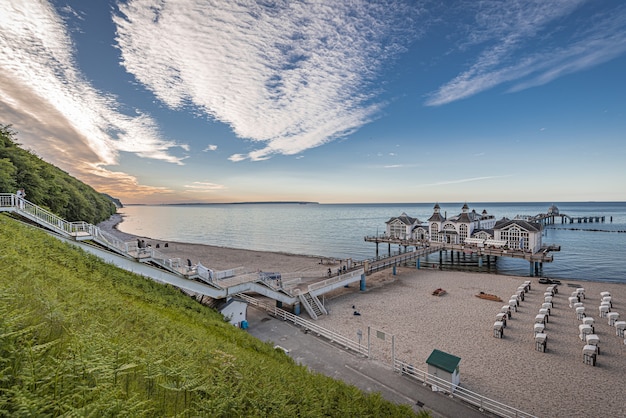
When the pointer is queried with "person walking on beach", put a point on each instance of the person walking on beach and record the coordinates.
(21, 195)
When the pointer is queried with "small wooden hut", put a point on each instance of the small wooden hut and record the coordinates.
(444, 366)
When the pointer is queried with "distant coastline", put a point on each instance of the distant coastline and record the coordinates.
(279, 202)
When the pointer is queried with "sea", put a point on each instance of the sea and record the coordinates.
(588, 251)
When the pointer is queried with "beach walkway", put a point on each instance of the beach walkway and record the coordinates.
(368, 375)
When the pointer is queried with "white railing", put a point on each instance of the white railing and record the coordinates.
(307, 325)
(482, 402)
(336, 279)
(473, 398)
(76, 229)
(224, 274)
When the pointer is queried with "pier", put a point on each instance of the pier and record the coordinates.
(458, 251)
(553, 213)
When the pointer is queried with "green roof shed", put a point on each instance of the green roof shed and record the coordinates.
(444, 368)
(443, 361)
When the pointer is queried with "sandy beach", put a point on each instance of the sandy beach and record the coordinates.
(551, 384)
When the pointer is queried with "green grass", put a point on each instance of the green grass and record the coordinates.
(79, 337)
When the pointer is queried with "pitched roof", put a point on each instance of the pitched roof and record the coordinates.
(437, 217)
(405, 219)
(443, 360)
(529, 226)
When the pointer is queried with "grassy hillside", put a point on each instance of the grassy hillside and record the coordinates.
(79, 337)
(47, 185)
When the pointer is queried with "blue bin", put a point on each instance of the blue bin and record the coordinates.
(244, 324)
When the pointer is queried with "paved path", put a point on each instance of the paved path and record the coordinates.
(370, 376)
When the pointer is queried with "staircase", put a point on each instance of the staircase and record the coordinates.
(83, 231)
(312, 305)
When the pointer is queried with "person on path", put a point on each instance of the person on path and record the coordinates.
(21, 195)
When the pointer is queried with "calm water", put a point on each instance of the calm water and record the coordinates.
(592, 251)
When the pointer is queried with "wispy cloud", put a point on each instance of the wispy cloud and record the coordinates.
(511, 28)
(210, 147)
(204, 187)
(72, 123)
(288, 76)
(467, 180)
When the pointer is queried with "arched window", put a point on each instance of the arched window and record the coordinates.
(434, 232)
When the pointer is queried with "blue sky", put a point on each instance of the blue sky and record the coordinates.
(161, 101)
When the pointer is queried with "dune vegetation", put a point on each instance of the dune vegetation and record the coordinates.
(47, 185)
(79, 337)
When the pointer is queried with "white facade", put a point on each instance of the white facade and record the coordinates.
(236, 311)
(457, 229)
(401, 226)
(470, 228)
(519, 234)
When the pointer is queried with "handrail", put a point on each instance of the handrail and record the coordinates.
(404, 368)
(473, 398)
(336, 279)
(307, 325)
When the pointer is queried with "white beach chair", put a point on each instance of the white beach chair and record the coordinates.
(527, 284)
(513, 304)
(507, 310)
(572, 300)
(540, 319)
(620, 327)
(546, 305)
(589, 321)
(549, 299)
(604, 310)
(580, 312)
(583, 331)
(538, 329)
(501, 317)
(541, 341)
(608, 299)
(544, 311)
(520, 294)
(612, 317)
(604, 294)
(589, 354)
(498, 329)
(593, 339)
(581, 292)
(578, 305)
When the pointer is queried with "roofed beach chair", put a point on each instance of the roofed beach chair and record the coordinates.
(583, 331)
(604, 310)
(549, 300)
(540, 319)
(538, 329)
(498, 329)
(589, 321)
(581, 292)
(593, 339)
(572, 300)
(612, 318)
(541, 342)
(589, 354)
(620, 326)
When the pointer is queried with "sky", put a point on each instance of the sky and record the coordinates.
(178, 101)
